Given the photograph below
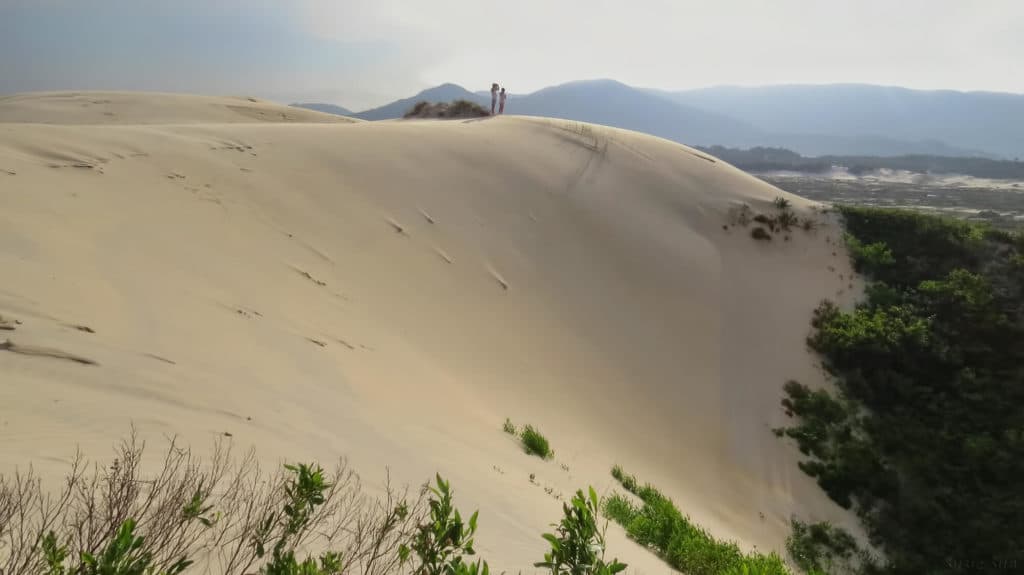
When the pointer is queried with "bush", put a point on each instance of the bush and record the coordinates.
(444, 540)
(116, 520)
(578, 546)
(534, 443)
(304, 491)
(787, 219)
(923, 437)
(782, 203)
(824, 548)
(660, 526)
(760, 233)
(456, 109)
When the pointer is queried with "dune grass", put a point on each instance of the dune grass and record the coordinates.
(659, 525)
(532, 440)
(535, 443)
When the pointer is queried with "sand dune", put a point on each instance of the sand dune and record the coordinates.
(150, 108)
(393, 291)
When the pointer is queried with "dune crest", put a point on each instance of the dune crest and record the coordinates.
(393, 291)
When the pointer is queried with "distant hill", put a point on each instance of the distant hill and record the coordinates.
(599, 101)
(325, 108)
(439, 94)
(935, 122)
(839, 120)
(615, 104)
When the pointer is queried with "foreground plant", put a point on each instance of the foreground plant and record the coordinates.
(305, 491)
(578, 544)
(443, 541)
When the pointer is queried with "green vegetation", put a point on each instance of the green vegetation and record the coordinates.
(659, 525)
(925, 437)
(442, 542)
(577, 546)
(782, 203)
(304, 492)
(224, 515)
(780, 159)
(533, 441)
(824, 548)
(456, 109)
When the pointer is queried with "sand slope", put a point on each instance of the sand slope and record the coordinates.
(393, 291)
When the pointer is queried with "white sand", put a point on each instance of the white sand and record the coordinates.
(631, 328)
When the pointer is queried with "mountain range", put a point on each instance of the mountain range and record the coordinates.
(813, 120)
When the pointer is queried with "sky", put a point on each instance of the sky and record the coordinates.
(363, 53)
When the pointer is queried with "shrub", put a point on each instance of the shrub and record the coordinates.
(760, 233)
(456, 109)
(578, 544)
(443, 541)
(782, 203)
(922, 437)
(304, 491)
(418, 109)
(660, 526)
(787, 219)
(209, 510)
(534, 443)
(824, 548)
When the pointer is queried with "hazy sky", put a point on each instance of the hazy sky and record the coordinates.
(363, 53)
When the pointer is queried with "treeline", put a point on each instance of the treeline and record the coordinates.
(761, 159)
(925, 437)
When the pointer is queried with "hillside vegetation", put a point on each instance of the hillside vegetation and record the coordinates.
(761, 159)
(925, 436)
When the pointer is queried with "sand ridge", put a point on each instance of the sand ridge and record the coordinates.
(392, 291)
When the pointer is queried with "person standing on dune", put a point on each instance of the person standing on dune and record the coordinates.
(501, 101)
(494, 96)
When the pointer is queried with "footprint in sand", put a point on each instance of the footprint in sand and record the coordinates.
(397, 226)
(247, 313)
(9, 172)
(426, 216)
(345, 343)
(159, 358)
(8, 324)
(316, 341)
(306, 275)
(44, 352)
(497, 277)
(443, 255)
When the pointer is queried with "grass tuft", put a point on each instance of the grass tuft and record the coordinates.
(535, 443)
(782, 203)
(659, 525)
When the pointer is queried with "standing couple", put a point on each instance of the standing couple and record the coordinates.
(494, 99)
